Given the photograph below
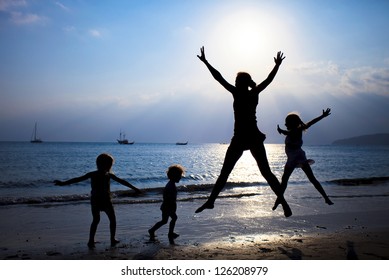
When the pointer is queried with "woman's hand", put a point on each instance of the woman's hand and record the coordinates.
(202, 56)
(279, 59)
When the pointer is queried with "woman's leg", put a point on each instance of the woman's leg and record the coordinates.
(284, 183)
(232, 156)
(259, 153)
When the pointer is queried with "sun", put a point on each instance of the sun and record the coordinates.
(242, 31)
(248, 37)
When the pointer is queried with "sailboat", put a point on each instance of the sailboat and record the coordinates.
(122, 139)
(35, 139)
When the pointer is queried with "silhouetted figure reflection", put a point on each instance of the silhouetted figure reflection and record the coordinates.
(169, 204)
(351, 254)
(101, 194)
(246, 133)
(296, 155)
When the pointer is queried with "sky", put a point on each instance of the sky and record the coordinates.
(85, 70)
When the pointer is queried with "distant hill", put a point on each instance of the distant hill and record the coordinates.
(372, 139)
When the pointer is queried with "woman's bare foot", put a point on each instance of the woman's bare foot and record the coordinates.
(206, 205)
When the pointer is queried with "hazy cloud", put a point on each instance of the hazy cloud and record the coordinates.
(318, 68)
(26, 18)
(349, 81)
(69, 29)
(13, 9)
(95, 33)
(62, 6)
(366, 80)
(9, 5)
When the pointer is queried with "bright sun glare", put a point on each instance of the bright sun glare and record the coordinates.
(247, 37)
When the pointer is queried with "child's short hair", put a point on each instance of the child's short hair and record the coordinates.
(104, 162)
(175, 170)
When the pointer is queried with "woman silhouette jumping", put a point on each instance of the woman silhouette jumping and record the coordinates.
(246, 133)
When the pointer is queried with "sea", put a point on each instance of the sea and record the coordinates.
(28, 170)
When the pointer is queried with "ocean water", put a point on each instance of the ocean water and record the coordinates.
(28, 170)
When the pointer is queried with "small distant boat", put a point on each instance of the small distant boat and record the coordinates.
(34, 138)
(182, 143)
(122, 139)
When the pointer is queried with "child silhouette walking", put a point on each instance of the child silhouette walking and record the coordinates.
(100, 194)
(295, 154)
(169, 204)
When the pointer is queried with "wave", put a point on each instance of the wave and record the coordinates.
(360, 181)
(149, 195)
(185, 193)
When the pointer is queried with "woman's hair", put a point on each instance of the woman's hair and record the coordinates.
(293, 120)
(104, 162)
(175, 170)
(244, 79)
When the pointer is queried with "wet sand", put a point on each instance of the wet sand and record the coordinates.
(238, 228)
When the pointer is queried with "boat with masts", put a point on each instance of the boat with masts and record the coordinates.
(34, 138)
(122, 139)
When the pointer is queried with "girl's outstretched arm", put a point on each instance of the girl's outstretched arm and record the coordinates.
(281, 131)
(72, 181)
(325, 113)
(124, 183)
(216, 74)
(278, 60)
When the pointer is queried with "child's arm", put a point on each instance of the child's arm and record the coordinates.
(72, 181)
(124, 182)
(326, 113)
(281, 131)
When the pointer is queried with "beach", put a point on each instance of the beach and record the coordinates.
(239, 228)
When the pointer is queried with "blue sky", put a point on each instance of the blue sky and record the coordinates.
(84, 70)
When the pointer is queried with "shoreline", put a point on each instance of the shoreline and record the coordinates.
(239, 228)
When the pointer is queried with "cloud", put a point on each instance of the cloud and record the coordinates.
(95, 33)
(62, 6)
(12, 9)
(318, 68)
(69, 29)
(330, 77)
(9, 5)
(26, 18)
(366, 80)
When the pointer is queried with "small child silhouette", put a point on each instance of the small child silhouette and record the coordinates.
(169, 204)
(296, 155)
(100, 194)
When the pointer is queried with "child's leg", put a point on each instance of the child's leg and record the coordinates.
(308, 171)
(112, 224)
(93, 227)
(165, 218)
(173, 224)
(172, 235)
(284, 183)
